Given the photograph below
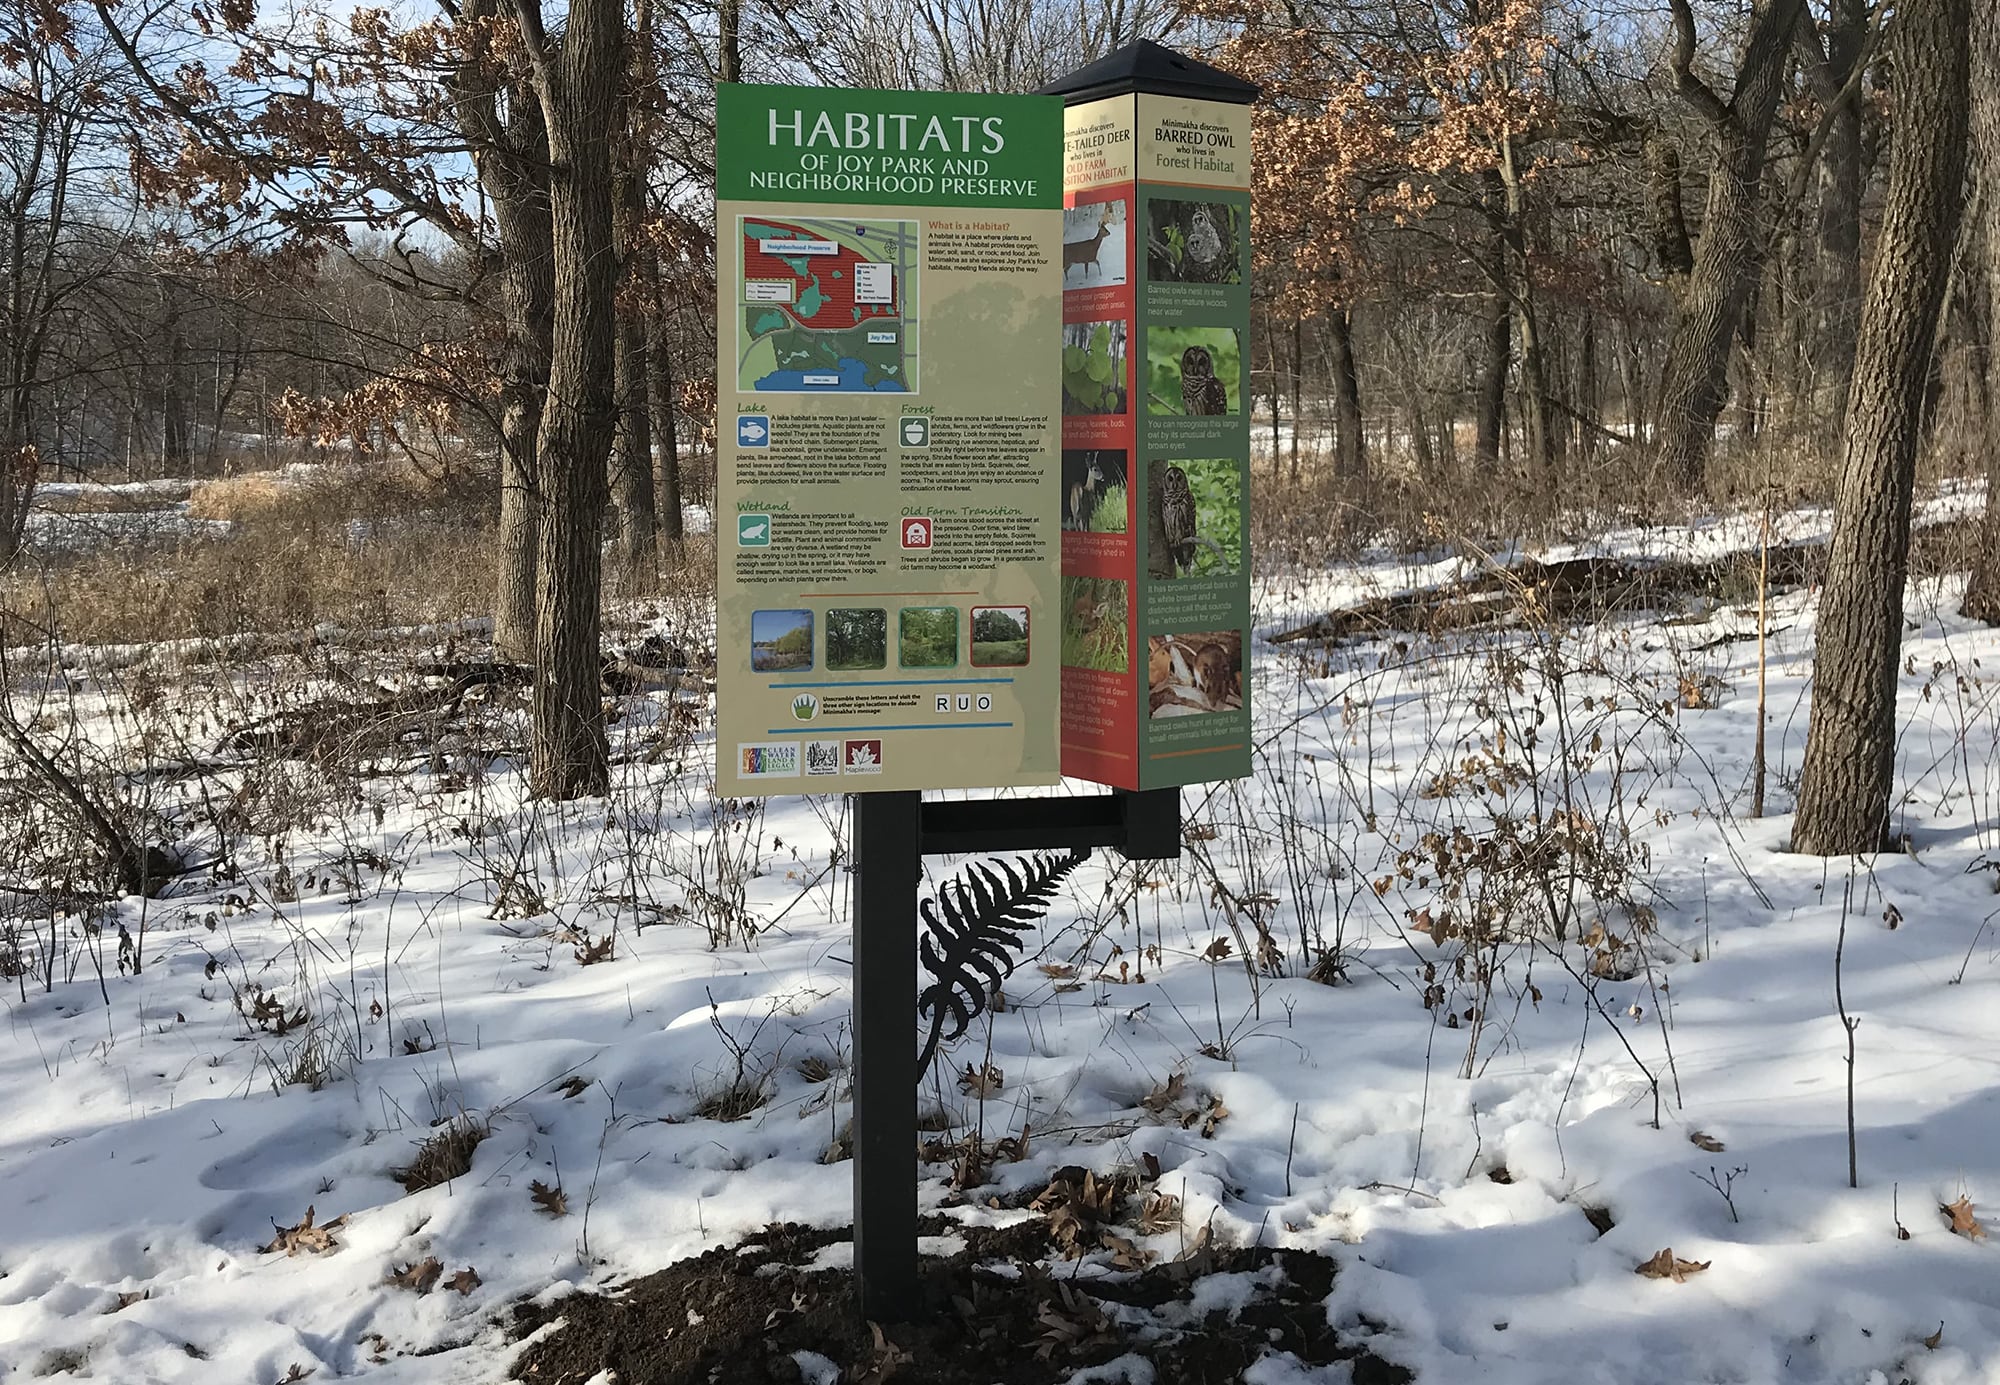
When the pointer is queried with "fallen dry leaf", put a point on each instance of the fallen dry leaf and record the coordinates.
(306, 1236)
(466, 1280)
(1164, 1095)
(1935, 1337)
(1962, 1221)
(551, 1200)
(419, 1278)
(1665, 1266)
(1702, 1140)
(982, 1081)
(1057, 970)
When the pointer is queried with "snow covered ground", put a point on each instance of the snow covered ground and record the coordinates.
(1492, 1127)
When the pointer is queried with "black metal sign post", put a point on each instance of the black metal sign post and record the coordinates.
(893, 832)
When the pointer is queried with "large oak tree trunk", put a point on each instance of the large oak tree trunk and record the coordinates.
(1982, 593)
(568, 754)
(1726, 259)
(1849, 766)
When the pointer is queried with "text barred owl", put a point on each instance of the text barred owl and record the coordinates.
(1201, 392)
(1177, 516)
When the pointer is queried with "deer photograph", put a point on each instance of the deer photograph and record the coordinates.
(1094, 245)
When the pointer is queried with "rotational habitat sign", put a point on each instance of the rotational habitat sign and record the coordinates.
(1156, 441)
(890, 452)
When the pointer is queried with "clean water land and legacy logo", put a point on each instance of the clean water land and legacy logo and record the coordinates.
(768, 761)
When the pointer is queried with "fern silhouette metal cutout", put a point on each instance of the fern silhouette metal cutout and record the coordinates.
(986, 909)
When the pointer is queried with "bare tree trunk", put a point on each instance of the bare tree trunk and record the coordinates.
(1521, 295)
(1353, 449)
(527, 307)
(1849, 768)
(1494, 366)
(513, 168)
(568, 752)
(1298, 376)
(1835, 318)
(632, 450)
(666, 431)
(1982, 592)
(1725, 264)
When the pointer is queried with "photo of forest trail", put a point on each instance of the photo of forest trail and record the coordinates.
(1594, 979)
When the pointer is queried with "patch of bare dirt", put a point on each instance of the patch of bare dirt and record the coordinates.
(997, 1313)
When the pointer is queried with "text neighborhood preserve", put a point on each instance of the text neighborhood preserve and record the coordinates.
(905, 184)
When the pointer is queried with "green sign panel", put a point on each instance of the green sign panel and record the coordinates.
(887, 148)
(889, 289)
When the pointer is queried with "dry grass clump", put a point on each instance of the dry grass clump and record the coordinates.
(288, 568)
(445, 1155)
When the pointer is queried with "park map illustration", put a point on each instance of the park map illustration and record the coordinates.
(828, 306)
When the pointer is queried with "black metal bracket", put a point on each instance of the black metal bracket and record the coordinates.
(893, 832)
(1142, 826)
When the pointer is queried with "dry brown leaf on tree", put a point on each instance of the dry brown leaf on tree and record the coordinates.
(1959, 1214)
(1665, 1266)
(551, 1200)
(418, 1278)
(306, 1236)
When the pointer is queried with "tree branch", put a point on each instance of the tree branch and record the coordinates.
(1692, 89)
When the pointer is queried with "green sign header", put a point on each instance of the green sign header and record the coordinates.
(887, 148)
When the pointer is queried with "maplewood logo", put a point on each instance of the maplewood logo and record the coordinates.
(777, 761)
(863, 757)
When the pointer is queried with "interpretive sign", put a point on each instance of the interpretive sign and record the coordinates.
(1156, 435)
(889, 280)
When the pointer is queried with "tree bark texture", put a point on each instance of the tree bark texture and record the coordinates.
(1726, 259)
(512, 154)
(661, 394)
(1353, 452)
(1982, 592)
(1835, 317)
(568, 754)
(632, 451)
(1849, 769)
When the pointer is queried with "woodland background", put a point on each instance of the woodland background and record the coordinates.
(1520, 266)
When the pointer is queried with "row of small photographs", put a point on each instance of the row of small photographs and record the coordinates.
(1191, 372)
(1195, 504)
(857, 638)
(1186, 243)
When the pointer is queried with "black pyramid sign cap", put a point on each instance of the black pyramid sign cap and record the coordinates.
(1155, 69)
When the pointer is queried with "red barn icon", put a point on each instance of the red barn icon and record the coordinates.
(916, 532)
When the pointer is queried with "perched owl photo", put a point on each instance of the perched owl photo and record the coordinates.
(1194, 517)
(1177, 517)
(1193, 372)
(1201, 392)
(1195, 242)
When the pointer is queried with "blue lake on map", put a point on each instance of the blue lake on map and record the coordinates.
(853, 377)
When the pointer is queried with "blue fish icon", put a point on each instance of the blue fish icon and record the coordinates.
(752, 431)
